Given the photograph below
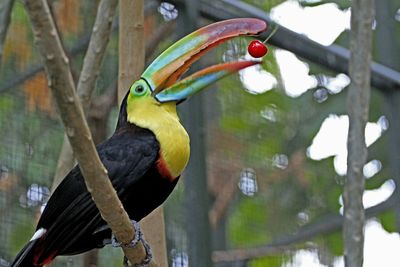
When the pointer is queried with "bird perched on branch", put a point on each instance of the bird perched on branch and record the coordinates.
(147, 152)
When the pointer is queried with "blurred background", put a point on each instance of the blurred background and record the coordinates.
(264, 185)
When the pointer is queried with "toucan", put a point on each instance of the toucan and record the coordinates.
(146, 154)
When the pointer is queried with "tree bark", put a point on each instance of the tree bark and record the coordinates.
(358, 105)
(131, 44)
(71, 112)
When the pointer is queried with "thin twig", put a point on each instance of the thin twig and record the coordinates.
(97, 47)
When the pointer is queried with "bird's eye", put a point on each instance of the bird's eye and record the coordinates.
(139, 90)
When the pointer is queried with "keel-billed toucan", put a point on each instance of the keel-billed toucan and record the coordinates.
(147, 152)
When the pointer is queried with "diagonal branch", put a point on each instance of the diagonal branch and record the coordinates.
(62, 86)
(96, 50)
(87, 79)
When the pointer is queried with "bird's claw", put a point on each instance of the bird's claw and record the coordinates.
(146, 261)
(134, 242)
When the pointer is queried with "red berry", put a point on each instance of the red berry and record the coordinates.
(257, 49)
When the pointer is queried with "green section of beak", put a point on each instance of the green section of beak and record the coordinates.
(199, 80)
(166, 69)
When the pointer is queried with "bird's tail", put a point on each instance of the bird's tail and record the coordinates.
(25, 257)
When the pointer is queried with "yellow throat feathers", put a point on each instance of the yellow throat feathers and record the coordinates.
(162, 119)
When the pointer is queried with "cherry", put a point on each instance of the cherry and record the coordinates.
(257, 49)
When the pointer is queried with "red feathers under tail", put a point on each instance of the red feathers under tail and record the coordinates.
(25, 257)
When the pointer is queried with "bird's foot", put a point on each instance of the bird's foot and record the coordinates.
(138, 237)
(147, 259)
(134, 242)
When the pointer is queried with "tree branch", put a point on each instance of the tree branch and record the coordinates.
(97, 47)
(324, 226)
(87, 80)
(62, 86)
(362, 15)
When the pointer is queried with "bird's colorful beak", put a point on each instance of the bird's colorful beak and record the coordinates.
(164, 73)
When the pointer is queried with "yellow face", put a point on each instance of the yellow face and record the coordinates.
(162, 119)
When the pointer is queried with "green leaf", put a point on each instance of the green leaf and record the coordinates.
(388, 221)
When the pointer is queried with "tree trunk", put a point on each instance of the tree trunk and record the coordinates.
(358, 106)
(131, 65)
(131, 44)
(195, 176)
